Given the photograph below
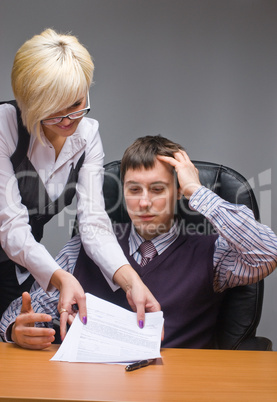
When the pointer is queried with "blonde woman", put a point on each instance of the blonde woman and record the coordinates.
(49, 152)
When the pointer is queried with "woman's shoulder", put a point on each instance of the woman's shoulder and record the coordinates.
(7, 110)
(8, 125)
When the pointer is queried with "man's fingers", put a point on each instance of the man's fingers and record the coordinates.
(36, 341)
(38, 333)
(26, 303)
(32, 318)
(167, 159)
(179, 157)
(34, 337)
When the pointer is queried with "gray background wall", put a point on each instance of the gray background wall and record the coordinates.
(202, 72)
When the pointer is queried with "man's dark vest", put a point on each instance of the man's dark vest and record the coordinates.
(181, 279)
(32, 190)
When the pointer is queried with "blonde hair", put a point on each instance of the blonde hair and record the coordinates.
(50, 72)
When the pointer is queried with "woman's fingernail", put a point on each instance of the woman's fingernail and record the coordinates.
(140, 323)
(84, 319)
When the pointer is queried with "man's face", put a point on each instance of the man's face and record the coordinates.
(150, 196)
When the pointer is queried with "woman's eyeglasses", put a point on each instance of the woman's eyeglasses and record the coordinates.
(71, 116)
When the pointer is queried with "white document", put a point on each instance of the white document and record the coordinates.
(111, 335)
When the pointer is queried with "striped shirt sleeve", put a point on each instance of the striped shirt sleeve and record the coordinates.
(43, 302)
(246, 250)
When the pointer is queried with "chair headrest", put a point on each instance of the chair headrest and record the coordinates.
(224, 181)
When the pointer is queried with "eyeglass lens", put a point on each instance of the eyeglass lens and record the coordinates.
(71, 116)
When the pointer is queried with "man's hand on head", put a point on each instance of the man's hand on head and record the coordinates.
(187, 173)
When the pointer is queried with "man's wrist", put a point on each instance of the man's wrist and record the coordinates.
(8, 333)
(190, 189)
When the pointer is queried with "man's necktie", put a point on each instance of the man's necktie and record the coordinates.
(148, 252)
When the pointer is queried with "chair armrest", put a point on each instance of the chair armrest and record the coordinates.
(255, 343)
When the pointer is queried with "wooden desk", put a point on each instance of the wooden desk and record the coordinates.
(182, 375)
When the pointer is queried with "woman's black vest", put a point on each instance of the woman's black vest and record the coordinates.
(32, 190)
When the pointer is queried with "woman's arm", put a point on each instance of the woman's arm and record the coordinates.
(97, 234)
(15, 232)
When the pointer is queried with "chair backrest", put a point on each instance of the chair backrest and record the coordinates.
(241, 307)
(224, 181)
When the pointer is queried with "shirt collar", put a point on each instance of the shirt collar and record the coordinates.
(160, 242)
(73, 144)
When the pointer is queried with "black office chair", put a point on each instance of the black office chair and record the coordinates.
(242, 306)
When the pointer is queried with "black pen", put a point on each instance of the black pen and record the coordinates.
(138, 365)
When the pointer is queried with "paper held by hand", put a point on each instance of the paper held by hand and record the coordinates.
(111, 335)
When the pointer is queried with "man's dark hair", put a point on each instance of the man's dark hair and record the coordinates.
(143, 152)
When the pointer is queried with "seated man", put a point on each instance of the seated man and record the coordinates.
(186, 272)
